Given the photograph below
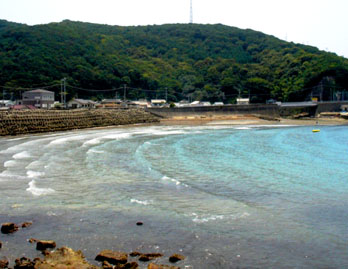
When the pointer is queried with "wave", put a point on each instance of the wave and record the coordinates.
(95, 151)
(177, 182)
(33, 174)
(203, 219)
(10, 163)
(38, 191)
(243, 128)
(96, 141)
(21, 155)
(140, 202)
(64, 140)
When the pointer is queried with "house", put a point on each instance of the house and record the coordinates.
(158, 102)
(110, 103)
(81, 103)
(6, 103)
(142, 103)
(38, 98)
(218, 104)
(243, 101)
(200, 103)
(205, 103)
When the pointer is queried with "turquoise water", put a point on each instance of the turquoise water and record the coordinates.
(224, 196)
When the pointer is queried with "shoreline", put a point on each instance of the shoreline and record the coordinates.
(248, 120)
(211, 121)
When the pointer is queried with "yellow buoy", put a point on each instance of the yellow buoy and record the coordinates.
(315, 130)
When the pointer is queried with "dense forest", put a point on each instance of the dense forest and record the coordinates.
(180, 61)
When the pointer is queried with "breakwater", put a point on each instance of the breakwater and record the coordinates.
(15, 122)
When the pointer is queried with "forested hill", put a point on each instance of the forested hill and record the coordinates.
(202, 62)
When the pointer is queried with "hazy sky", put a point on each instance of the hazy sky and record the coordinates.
(321, 23)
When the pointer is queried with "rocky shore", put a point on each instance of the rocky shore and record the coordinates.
(67, 258)
(16, 122)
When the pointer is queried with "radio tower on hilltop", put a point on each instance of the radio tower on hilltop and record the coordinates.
(191, 12)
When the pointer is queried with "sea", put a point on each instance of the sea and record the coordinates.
(223, 196)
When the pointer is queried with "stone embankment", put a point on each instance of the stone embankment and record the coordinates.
(15, 122)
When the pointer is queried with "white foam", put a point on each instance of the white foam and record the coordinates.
(140, 202)
(34, 165)
(242, 128)
(10, 163)
(177, 182)
(34, 174)
(38, 191)
(66, 139)
(95, 151)
(94, 141)
(117, 136)
(203, 219)
(21, 155)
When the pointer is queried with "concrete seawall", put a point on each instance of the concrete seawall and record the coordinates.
(16, 122)
(271, 111)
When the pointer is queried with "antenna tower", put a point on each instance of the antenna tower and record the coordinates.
(191, 12)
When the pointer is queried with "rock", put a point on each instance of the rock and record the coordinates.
(149, 256)
(44, 244)
(134, 254)
(3, 264)
(131, 265)
(139, 223)
(32, 240)
(161, 266)
(24, 263)
(107, 265)
(113, 257)
(64, 258)
(176, 257)
(27, 224)
(8, 228)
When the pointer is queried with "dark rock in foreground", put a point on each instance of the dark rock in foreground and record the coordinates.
(113, 257)
(134, 254)
(161, 266)
(64, 258)
(27, 224)
(24, 263)
(176, 257)
(45, 244)
(149, 256)
(9, 227)
(3, 264)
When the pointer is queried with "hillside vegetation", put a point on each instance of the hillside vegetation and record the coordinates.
(202, 62)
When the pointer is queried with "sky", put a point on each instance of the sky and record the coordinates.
(319, 23)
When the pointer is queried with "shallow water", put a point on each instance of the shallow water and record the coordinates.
(225, 197)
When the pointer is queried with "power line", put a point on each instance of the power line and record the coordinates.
(33, 88)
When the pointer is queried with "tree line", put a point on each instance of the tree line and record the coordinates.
(181, 61)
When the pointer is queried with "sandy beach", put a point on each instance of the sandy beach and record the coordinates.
(248, 120)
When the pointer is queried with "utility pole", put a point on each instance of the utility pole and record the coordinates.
(124, 92)
(63, 92)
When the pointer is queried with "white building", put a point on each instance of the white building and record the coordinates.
(158, 102)
(38, 98)
(243, 101)
(81, 103)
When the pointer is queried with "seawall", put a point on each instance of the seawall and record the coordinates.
(270, 111)
(15, 122)
(267, 111)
